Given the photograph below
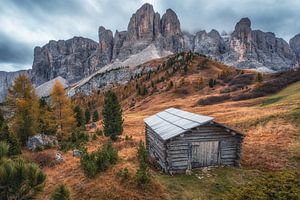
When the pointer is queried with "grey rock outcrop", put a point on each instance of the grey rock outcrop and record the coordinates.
(105, 80)
(68, 59)
(145, 28)
(254, 48)
(210, 44)
(295, 45)
(41, 141)
(105, 49)
(141, 25)
(246, 48)
(170, 24)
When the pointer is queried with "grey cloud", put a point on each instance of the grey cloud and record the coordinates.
(13, 51)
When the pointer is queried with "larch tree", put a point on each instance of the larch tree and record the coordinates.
(63, 112)
(112, 116)
(24, 103)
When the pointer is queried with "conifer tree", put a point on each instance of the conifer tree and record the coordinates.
(259, 77)
(46, 119)
(87, 115)
(79, 116)
(63, 113)
(95, 116)
(24, 102)
(112, 116)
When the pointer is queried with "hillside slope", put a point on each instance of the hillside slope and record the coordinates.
(270, 123)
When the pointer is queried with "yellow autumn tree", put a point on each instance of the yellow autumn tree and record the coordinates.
(24, 104)
(62, 110)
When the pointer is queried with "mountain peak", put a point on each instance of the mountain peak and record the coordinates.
(243, 24)
(170, 24)
(146, 6)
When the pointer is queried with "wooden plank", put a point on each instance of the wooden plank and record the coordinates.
(205, 153)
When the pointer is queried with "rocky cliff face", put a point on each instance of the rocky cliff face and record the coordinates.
(79, 57)
(295, 45)
(145, 28)
(247, 48)
(69, 59)
(244, 48)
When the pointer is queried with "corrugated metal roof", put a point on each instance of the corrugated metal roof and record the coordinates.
(172, 122)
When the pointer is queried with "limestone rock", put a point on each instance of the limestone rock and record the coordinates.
(68, 59)
(105, 49)
(141, 24)
(41, 141)
(295, 45)
(170, 24)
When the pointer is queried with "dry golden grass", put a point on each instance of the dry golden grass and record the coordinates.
(266, 145)
(267, 141)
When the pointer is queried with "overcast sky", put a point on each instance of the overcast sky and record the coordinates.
(25, 24)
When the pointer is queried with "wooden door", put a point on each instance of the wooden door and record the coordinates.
(204, 154)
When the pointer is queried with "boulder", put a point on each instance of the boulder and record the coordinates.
(59, 158)
(76, 153)
(41, 141)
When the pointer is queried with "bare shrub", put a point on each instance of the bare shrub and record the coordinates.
(214, 99)
(44, 159)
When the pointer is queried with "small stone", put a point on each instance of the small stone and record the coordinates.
(59, 158)
(76, 153)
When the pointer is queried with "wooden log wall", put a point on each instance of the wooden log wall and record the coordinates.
(179, 149)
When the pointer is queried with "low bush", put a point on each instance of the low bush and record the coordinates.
(241, 79)
(276, 185)
(181, 91)
(128, 137)
(99, 132)
(142, 174)
(123, 174)
(76, 140)
(61, 193)
(20, 179)
(94, 137)
(99, 160)
(214, 99)
(278, 82)
(44, 159)
(88, 164)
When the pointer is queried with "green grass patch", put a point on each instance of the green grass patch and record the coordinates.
(213, 184)
(290, 94)
(231, 183)
(271, 100)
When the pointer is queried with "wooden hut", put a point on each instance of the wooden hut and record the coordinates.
(180, 140)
